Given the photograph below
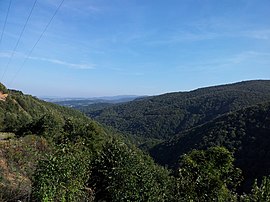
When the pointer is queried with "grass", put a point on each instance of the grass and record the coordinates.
(18, 160)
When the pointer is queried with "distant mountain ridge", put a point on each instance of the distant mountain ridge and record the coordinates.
(80, 102)
(163, 116)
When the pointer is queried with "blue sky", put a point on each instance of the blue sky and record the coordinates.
(134, 47)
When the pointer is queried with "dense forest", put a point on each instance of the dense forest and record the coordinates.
(163, 116)
(244, 132)
(53, 153)
(235, 116)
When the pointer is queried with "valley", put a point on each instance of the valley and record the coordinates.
(222, 132)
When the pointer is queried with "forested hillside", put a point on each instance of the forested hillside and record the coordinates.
(245, 132)
(19, 109)
(235, 116)
(52, 153)
(163, 116)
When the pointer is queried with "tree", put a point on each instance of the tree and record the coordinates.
(258, 193)
(62, 175)
(208, 175)
(121, 173)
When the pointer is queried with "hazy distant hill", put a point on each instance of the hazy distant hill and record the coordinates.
(245, 132)
(164, 116)
(84, 102)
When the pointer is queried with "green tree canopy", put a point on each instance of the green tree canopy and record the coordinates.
(123, 174)
(208, 175)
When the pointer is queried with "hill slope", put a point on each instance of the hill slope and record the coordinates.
(30, 131)
(58, 154)
(163, 116)
(245, 132)
(19, 109)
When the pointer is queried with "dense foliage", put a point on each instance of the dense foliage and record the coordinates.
(197, 120)
(245, 132)
(208, 175)
(59, 168)
(51, 153)
(77, 153)
(161, 117)
(259, 192)
(19, 110)
(122, 173)
(62, 174)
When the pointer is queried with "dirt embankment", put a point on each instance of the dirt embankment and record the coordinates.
(3, 96)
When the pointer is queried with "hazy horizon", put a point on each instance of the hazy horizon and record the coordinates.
(48, 97)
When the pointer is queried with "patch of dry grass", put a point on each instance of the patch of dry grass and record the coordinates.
(18, 159)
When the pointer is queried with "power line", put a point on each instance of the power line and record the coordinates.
(19, 39)
(31, 51)
(4, 27)
(5, 22)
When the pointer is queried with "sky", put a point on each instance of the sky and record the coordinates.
(97, 48)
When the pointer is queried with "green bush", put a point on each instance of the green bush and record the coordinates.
(208, 175)
(62, 175)
(258, 193)
(123, 174)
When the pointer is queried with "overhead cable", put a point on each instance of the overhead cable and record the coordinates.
(19, 39)
(5, 22)
(41, 35)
